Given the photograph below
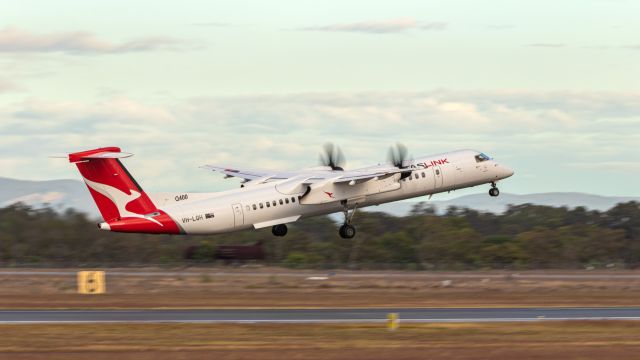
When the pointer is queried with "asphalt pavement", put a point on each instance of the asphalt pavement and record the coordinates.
(341, 315)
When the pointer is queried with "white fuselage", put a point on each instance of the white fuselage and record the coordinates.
(246, 207)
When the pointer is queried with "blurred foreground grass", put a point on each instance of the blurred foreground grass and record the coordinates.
(532, 340)
(265, 288)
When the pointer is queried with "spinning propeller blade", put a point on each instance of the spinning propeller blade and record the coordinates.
(332, 157)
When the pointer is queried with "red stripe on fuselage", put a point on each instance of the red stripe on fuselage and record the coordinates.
(146, 225)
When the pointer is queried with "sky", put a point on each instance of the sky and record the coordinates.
(549, 88)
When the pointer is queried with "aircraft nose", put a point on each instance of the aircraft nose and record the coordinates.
(507, 171)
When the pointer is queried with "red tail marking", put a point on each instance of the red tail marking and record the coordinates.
(118, 196)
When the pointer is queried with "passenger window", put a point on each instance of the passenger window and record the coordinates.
(286, 200)
(281, 202)
(415, 175)
(268, 204)
(261, 207)
(274, 203)
(423, 175)
(437, 172)
(293, 199)
(255, 207)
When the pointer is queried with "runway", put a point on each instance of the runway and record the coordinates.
(359, 315)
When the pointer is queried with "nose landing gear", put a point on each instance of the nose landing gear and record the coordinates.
(347, 231)
(494, 190)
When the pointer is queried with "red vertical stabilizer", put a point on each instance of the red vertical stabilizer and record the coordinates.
(123, 204)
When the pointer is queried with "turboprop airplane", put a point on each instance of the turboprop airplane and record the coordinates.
(276, 198)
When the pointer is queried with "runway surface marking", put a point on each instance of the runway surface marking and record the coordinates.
(317, 315)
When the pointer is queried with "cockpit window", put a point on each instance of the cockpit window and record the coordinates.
(482, 157)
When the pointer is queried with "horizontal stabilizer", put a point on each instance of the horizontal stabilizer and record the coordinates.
(101, 153)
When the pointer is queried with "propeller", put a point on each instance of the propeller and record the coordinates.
(398, 157)
(332, 157)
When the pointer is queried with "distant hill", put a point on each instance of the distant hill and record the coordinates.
(64, 194)
(57, 194)
(484, 202)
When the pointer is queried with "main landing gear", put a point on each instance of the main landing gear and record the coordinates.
(279, 230)
(494, 190)
(347, 231)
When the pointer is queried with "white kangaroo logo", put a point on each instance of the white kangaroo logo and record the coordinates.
(120, 199)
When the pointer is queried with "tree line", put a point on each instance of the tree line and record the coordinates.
(523, 237)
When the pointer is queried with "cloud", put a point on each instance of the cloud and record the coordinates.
(547, 45)
(533, 130)
(446, 112)
(326, 114)
(211, 24)
(396, 25)
(500, 27)
(14, 40)
(623, 166)
(7, 85)
(44, 117)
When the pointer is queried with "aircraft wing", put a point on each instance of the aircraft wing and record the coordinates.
(310, 175)
(358, 176)
(322, 185)
(353, 185)
(317, 183)
(248, 175)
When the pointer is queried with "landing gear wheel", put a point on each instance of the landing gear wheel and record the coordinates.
(279, 230)
(494, 191)
(347, 231)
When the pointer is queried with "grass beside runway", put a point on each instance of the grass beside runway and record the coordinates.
(267, 289)
(540, 340)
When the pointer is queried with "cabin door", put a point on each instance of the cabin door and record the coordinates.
(238, 215)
